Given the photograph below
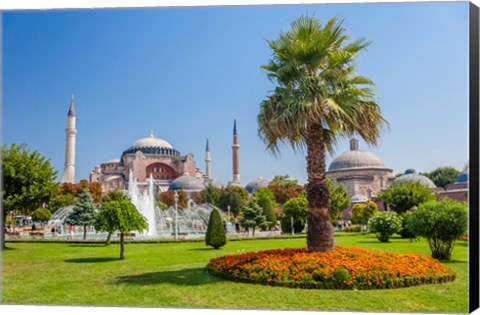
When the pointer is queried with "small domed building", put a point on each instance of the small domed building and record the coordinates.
(360, 172)
(256, 184)
(411, 176)
(146, 157)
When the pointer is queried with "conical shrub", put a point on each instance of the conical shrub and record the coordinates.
(215, 236)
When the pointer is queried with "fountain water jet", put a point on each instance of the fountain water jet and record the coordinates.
(144, 202)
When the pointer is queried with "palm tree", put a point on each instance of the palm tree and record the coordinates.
(318, 99)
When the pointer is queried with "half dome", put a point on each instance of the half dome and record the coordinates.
(187, 183)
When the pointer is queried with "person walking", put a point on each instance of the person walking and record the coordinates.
(71, 231)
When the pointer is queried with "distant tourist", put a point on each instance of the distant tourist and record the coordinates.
(34, 227)
(54, 231)
(225, 225)
(71, 231)
(237, 226)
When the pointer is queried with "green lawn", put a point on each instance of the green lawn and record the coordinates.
(172, 275)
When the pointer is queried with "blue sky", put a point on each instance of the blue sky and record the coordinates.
(187, 73)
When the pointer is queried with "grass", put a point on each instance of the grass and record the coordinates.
(173, 275)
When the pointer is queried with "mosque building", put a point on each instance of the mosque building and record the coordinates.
(361, 173)
(149, 157)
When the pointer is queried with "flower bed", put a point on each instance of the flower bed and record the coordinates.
(341, 268)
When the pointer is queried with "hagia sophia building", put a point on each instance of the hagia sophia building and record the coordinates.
(149, 157)
(360, 172)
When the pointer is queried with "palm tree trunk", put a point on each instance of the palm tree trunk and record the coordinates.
(320, 229)
(122, 247)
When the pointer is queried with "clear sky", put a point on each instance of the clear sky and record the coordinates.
(187, 73)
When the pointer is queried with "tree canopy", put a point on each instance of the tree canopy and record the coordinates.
(443, 176)
(121, 216)
(252, 216)
(404, 196)
(339, 200)
(266, 200)
(28, 178)
(235, 197)
(216, 234)
(83, 213)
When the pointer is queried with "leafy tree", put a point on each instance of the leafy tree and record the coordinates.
(216, 234)
(339, 200)
(76, 189)
(122, 216)
(252, 216)
(266, 199)
(283, 194)
(235, 197)
(361, 213)
(286, 225)
(404, 196)
(83, 213)
(318, 100)
(60, 202)
(296, 208)
(441, 223)
(283, 181)
(161, 205)
(41, 215)
(384, 225)
(443, 176)
(167, 197)
(28, 181)
(210, 195)
(115, 194)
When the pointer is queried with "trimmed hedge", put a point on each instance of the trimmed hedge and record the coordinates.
(341, 268)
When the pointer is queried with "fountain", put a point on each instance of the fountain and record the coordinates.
(145, 202)
(192, 222)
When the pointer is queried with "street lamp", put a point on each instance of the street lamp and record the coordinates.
(175, 197)
(228, 217)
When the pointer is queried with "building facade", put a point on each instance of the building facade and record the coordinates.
(145, 158)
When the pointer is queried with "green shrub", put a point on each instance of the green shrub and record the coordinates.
(441, 223)
(215, 235)
(406, 232)
(353, 228)
(362, 212)
(384, 225)
(41, 215)
(286, 225)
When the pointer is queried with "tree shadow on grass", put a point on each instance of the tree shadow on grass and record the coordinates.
(91, 260)
(203, 249)
(183, 277)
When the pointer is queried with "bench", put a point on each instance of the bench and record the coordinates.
(180, 234)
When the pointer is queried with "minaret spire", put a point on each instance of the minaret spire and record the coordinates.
(207, 161)
(235, 157)
(71, 133)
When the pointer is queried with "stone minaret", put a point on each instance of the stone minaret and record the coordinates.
(207, 161)
(69, 171)
(235, 157)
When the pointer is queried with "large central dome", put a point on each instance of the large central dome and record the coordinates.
(151, 142)
(355, 158)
